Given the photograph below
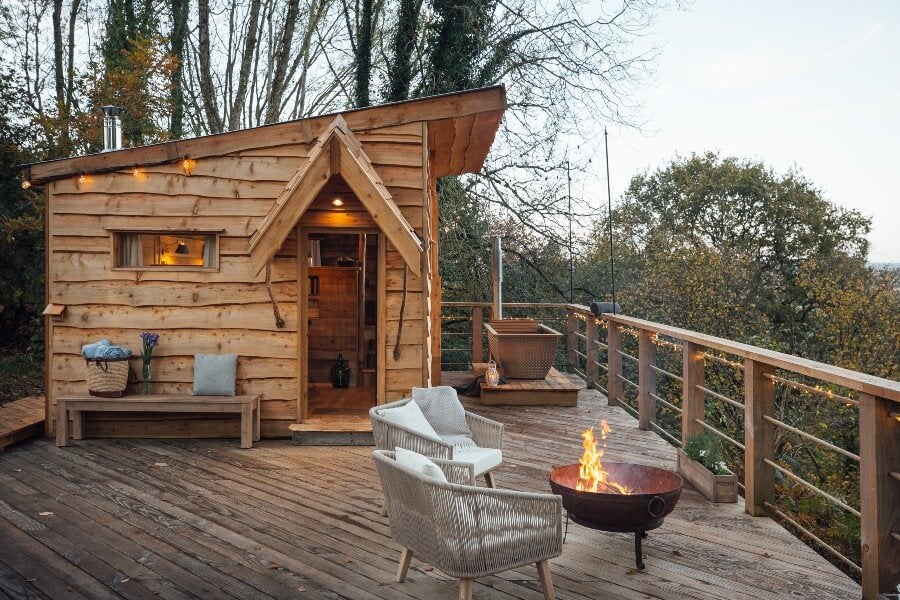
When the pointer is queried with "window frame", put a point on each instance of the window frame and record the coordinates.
(116, 233)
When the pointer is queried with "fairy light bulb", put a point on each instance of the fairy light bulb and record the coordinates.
(26, 184)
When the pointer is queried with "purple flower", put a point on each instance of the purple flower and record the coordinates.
(150, 340)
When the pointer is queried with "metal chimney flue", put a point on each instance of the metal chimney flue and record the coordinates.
(497, 276)
(112, 127)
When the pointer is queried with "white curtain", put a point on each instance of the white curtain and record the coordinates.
(130, 248)
(315, 253)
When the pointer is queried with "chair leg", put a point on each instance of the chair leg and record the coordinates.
(546, 580)
(489, 479)
(465, 589)
(403, 567)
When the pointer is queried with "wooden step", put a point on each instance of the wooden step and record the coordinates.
(557, 389)
(334, 430)
(21, 420)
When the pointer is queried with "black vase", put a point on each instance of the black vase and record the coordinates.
(340, 373)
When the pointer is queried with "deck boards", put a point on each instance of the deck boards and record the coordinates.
(20, 420)
(180, 519)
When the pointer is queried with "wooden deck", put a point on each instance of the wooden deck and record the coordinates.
(556, 389)
(20, 420)
(180, 519)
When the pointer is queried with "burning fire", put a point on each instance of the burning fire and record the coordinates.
(591, 476)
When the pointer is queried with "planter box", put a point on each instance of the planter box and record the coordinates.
(718, 488)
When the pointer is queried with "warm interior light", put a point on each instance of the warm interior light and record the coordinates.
(337, 202)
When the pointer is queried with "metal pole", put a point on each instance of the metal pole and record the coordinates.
(612, 264)
(571, 252)
(497, 276)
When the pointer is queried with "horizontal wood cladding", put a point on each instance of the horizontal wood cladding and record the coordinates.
(180, 369)
(251, 317)
(185, 342)
(153, 293)
(74, 266)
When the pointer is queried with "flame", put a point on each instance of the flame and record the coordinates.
(591, 476)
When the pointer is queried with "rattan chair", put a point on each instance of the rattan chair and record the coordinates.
(466, 531)
(389, 435)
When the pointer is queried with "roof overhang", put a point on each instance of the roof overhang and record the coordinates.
(462, 126)
(336, 152)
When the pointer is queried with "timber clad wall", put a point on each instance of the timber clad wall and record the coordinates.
(227, 311)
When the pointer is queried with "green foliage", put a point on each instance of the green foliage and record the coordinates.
(21, 233)
(707, 450)
(455, 40)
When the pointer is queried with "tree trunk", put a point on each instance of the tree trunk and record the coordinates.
(237, 107)
(207, 89)
(64, 144)
(363, 56)
(276, 90)
(404, 43)
(180, 10)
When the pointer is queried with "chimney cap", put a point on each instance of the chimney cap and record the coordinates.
(111, 110)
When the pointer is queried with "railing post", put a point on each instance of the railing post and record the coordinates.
(571, 340)
(759, 437)
(613, 362)
(879, 438)
(591, 370)
(646, 379)
(692, 399)
(477, 341)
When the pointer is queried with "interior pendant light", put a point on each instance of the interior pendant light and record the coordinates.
(181, 248)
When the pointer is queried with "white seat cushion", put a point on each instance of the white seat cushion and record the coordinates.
(410, 416)
(419, 464)
(483, 459)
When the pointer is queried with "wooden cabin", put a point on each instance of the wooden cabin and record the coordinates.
(286, 244)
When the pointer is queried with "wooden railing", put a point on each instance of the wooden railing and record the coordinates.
(600, 351)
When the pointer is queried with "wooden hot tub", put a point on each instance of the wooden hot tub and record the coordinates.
(522, 348)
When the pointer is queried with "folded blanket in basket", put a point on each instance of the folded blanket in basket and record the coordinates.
(103, 350)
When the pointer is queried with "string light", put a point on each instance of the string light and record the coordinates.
(136, 172)
(811, 390)
(26, 184)
(724, 361)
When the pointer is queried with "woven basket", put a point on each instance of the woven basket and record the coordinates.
(107, 378)
(522, 348)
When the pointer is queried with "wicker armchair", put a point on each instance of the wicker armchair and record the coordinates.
(466, 531)
(389, 435)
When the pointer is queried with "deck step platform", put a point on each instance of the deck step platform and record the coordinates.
(557, 389)
(344, 428)
(21, 420)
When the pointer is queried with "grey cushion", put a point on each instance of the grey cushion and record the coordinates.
(214, 374)
(443, 410)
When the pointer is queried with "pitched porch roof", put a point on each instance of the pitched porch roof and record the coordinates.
(337, 152)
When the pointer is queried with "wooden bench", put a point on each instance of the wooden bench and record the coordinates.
(246, 406)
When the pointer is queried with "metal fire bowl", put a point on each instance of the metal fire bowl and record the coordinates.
(654, 495)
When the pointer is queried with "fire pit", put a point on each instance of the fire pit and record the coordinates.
(619, 497)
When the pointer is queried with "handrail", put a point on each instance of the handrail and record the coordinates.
(861, 382)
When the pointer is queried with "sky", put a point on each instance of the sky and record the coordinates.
(797, 84)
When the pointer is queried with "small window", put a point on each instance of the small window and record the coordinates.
(171, 250)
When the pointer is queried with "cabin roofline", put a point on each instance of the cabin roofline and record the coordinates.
(447, 108)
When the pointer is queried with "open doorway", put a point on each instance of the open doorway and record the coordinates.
(341, 343)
